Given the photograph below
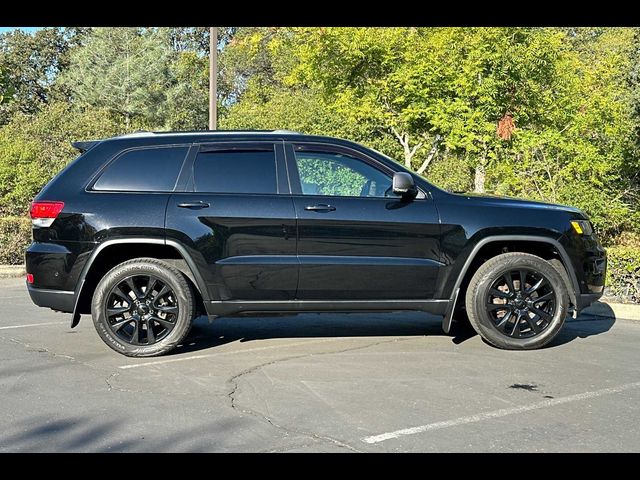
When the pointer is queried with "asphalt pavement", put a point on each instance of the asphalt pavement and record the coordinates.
(316, 383)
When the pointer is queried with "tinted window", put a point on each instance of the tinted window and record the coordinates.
(235, 172)
(147, 170)
(336, 174)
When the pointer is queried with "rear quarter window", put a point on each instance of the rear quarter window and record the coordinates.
(143, 170)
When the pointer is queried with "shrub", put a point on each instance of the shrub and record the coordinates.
(623, 272)
(34, 148)
(15, 236)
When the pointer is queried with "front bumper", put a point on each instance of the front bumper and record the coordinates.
(60, 300)
(585, 299)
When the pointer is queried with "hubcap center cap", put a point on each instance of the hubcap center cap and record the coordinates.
(143, 309)
(520, 303)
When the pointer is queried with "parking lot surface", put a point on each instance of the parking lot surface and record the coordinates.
(315, 382)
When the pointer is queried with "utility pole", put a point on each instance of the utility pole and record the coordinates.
(213, 77)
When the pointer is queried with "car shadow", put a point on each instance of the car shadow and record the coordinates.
(597, 319)
(222, 330)
(207, 334)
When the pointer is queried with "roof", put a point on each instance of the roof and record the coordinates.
(143, 137)
(83, 146)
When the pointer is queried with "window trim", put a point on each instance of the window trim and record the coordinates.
(102, 170)
(276, 146)
(294, 176)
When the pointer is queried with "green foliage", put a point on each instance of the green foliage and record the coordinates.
(187, 101)
(15, 237)
(328, 178)
(34, 148)
(124, 70)
(623, 272)
(31, 63)
(5, 88)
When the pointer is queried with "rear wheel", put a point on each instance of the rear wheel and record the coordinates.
(143, 307)
(517, 301)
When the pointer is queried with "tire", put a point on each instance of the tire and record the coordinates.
(536, 317)
(154, 307)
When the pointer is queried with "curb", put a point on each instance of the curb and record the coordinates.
(12, 271)
(618, 311)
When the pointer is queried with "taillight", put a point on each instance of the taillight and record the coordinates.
(30, 278)
(44, 213)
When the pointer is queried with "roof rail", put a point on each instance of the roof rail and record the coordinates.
(146, 133)
(287, 131)
(137, 133)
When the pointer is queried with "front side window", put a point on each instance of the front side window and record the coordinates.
(236, 171)
(143, 170)
(340, 175)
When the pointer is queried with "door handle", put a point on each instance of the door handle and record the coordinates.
(198, 204)
(321, 207)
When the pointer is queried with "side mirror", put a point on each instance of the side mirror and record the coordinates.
(404, 186)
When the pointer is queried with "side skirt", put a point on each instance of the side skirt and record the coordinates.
(231, 307)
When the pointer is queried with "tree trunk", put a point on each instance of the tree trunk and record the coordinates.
(409, 152)
(478, 182)
(432, 153)
(481, 171)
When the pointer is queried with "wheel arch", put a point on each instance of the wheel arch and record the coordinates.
(112, 252)
(492, 246)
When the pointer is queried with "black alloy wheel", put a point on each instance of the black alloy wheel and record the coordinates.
(521, 303)
(517, 301)
(141, 310)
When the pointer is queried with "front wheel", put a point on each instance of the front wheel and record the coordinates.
(143, 307)
(517, 301)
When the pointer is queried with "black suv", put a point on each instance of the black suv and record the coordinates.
(148, 230)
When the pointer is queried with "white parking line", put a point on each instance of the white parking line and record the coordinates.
(498, 413)
(32, 325)
(231, 352)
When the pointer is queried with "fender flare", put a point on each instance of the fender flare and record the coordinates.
(75, 319)
(566, 260)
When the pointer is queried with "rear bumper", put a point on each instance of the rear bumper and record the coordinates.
(61, 300)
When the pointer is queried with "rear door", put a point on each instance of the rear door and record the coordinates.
(237, 218)
(356, 240)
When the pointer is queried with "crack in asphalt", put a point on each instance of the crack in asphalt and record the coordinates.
(288, 430)
(111, 387)
(30, 348)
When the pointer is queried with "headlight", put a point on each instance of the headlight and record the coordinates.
(582, 227)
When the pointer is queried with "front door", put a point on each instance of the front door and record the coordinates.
(356, 239)
(237, 218)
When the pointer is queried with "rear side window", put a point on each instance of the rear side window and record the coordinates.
(236, 171)
(144, 170)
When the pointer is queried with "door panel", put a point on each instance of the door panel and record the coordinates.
(356, 240)
(367, 248)
(244, 242)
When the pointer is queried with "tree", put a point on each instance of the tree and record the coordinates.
(123, 70)
(32, 63)
(187, 100)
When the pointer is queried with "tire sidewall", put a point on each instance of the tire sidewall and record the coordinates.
(483, 321)
(117, 275)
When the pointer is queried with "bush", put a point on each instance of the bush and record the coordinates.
(623, 272)
(34, 148)
(15, 237)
